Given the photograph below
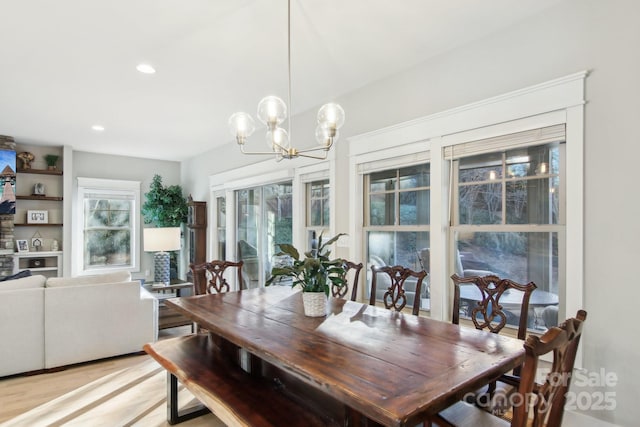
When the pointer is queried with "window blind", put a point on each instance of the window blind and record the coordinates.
(314, 176)
(108, 195)
(506, 142)
(394, 162)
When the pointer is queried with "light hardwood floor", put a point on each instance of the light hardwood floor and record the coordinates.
(122, 391)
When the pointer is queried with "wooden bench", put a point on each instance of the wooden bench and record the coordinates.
(236, 397)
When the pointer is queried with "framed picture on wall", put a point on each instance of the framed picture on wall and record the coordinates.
(37, 217)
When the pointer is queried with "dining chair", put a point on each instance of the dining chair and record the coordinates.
(489, 314)
(208, 277)
(341, 291)
(538, 404)
(396, 278)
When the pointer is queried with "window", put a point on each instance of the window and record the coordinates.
(264, 220)
(397, 217)
(509, 219)
(444, 137)
(108, 225)
(221, 220)
(318, 208)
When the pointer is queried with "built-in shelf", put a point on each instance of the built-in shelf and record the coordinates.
(41, 188)
(50, 262)
(40, 171)
(36, 197)
(38, 225)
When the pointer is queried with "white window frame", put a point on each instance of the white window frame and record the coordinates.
(299, 171)
(325, 200)
(559, 101)
(396, 227)
(501, 146)
(304, 175)
(107, 187)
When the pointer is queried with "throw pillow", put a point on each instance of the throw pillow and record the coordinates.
(18, 275)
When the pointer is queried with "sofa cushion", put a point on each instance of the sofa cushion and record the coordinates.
(30, 282)
(115, 277)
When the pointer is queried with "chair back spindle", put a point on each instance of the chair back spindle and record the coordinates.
(209, 277)
(395, 296)
(488, 313)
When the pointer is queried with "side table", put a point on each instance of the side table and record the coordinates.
(168, 318)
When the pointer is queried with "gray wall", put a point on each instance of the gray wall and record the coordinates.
(596, 35)
(90, 165)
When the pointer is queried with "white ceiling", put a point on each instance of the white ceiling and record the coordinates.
(69, 64)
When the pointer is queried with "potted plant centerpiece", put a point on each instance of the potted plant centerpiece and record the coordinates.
(314, 274)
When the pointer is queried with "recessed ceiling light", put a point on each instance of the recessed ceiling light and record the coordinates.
(145, 68)
(97, 128)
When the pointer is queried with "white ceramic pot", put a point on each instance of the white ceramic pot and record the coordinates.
(315, 304)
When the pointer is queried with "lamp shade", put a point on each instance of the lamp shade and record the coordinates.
(161, 239)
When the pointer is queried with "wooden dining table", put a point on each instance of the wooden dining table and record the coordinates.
(391, 368)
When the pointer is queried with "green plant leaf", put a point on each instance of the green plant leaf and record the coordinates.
(330, 241)
(289, 250)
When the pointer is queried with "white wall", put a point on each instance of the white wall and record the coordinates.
(90, 165)
(596, 35)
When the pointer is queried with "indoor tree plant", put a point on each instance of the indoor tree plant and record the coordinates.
(314, 274)
(165, 207)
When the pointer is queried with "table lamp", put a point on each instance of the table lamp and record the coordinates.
(160, 240)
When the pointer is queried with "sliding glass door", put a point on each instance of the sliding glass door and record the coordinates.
(264, 220)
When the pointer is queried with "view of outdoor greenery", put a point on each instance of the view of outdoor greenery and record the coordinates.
(107, 232)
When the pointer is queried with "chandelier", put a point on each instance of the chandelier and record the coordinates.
(272, 111)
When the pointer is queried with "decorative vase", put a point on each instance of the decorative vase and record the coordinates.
(315, 304)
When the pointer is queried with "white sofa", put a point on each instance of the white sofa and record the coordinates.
(47, 323)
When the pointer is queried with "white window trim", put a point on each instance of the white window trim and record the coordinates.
(362, 162)
(553, 102)
(89, 185)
